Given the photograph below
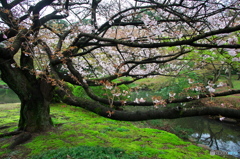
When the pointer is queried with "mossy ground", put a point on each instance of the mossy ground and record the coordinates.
(83, 128)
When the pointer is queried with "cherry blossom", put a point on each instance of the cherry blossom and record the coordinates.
(171, 95)
(232, 52)
(13, 65)
(197, 88)
(236, 59)
(221, 118)
(210, 89)
(136, 101)
(142, 100)
(190, 81)
(117, 94)
(220, 84)
(4, 36)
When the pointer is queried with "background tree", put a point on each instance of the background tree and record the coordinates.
(217, 63)
(136, 39)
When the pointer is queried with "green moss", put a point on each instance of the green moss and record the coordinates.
(2, 83)
(122, 129)
(4, 152)
(5, 146)
(86, 152)
(45, 142)
(83, 128)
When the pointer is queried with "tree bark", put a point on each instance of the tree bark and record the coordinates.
(35, 95)
(35, 111)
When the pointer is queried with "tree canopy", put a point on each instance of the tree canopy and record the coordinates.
(94, 43)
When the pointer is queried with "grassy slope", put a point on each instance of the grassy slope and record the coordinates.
(1, 82)
(85, 128)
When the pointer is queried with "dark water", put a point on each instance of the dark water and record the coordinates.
(8, 96)
(215, 134)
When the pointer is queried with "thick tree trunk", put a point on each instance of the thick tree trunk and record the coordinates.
(35, 110)
(35, 113)
(35, 95)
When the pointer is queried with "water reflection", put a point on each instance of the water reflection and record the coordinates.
(215, 134)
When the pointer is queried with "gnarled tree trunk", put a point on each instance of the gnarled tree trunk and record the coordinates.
(35, 110)
(35, 95)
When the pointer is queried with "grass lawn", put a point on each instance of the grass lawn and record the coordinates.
(1, 82)
(82, 132)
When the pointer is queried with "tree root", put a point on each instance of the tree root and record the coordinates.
(25, 136)
(10, 134)
(4, 127)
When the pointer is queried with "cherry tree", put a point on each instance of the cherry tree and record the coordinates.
(214, 63)
(92, 43)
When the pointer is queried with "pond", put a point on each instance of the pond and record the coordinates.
(215, 134)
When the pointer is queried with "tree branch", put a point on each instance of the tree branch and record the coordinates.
(161, 113)
(164, 44)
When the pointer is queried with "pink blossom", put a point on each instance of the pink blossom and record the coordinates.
(197, 88)
(210, 89)
(116, 94)
(190, 80)
(210, 84)
(222, 118)
(109, 86)
(232, 52)
(13, 65)
(172, 94)
(220, 84)
(141, 100)
(136, 101)
(4, 36)
(235, 59)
